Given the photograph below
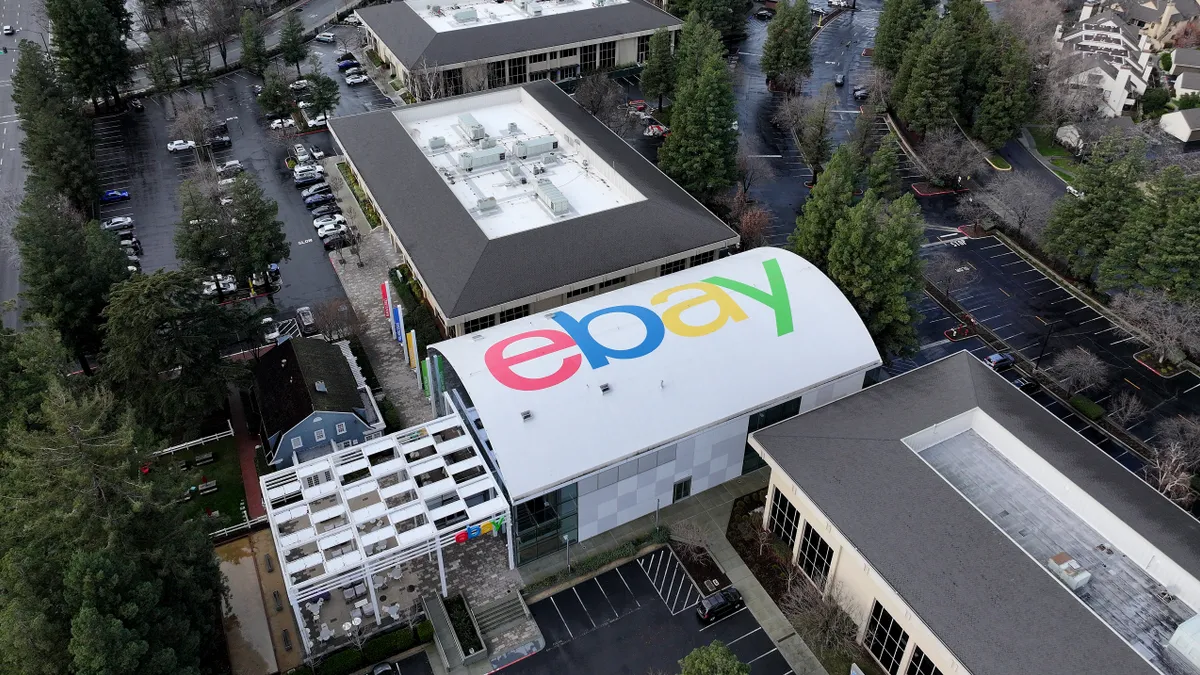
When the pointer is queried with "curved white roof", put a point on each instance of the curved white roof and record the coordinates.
(678, 354)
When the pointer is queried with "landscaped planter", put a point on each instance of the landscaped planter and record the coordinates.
(1160, 368)
(466, 630)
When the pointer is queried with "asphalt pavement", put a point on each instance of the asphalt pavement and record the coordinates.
(19, 14)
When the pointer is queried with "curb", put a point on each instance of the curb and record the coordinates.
(1024, 139)
(545, 593)
(998, 168)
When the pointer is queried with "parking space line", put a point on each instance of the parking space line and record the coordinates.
(610, 605)
(1051, 290)
(1096, 318)
(773, 650)
(1019, 262)
(1000, 255)
(720, 620)
(639, 604)
(1131, 337)
(1105, 330)
(1069, 297)
(560, 617)
(744, 636)
(584, 606)
(1031, 269)
(1030, 283)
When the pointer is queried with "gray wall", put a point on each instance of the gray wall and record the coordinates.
(629, 490)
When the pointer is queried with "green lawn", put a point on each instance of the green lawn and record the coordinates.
(999, 162)
(225, 469)
(1046, 145)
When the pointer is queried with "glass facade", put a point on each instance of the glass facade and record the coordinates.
(543, 522)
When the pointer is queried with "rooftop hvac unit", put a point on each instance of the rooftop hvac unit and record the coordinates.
(1069, 571)
(487, 204)
(550, 159)
(466, 15)
(475, 159)
(487, 142)
(513, 128)
(535, 146)
(437, 142)
(514, 167)
(436, 9)
(552, 197)
(536, 10)
(473, 129)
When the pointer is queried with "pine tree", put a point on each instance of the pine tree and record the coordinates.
(932, 94)
(909, 55)
(254, 46)
(196, 65)
(1008, 101)
(701, 152)
(292, 47)
(1172, 262)
(90, 47)
(323, 93)
(698, 41)
(883, 173)
(898, 22)
(785, 56)
(1130, 262)
(725, 15)
(828, 202)
(658, 75)
(158, 65)
(977, 52)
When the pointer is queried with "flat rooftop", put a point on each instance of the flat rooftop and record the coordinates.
(512, 165)
(622, 211)
(989, 598)
(460, 15)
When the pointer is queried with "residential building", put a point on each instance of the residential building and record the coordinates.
(601, 411)
(1080, 137)
(508, 203)
(312, 399)
(1185, 60)
(1158, 20)
(446, 50)
(968, 530)
(1110, 56)
(1187, 83)
(1182, 124)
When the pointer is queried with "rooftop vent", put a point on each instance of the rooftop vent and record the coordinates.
(437, 142)
(536, 10)
(1069, 571)
(525, 415)
(487, 204)
(513, 128)
(467, 15)
(487, 142)
(436, 9)
(550, 158)
(604, 388)
(320, 385)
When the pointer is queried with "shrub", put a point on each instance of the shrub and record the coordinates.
(388, 645)
(425, 631)
(391, 417)
(464, 628)
(1165, 61)
(341, 663)
(360, 354)
(1187, 102)
(1087, 407)
(1154, 101)
(360, 195)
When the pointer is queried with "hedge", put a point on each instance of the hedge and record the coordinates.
(592, 563)
(387, 645)
(1089, 408)
(425, 631)
(341, 663)
(392, 419)
(360, 195)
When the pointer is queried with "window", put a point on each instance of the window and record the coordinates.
(479, 324)
(643, 49)
(921, 665)
(340, 428)
(612, 282)
(452, 82)
(312, 481)
(671, 267)
(516, 70)
(319, 435)
(681, 490)
(496, 74)
(514, 313)
(701, 258)
(539, 75)
(587, 59)
(815, 556)
(885, 639)
(567, 52)
(538, 58)
(553, 55)
(785, 519)
(567, 72)
(580, 291)
(608, 55)
(297, 442)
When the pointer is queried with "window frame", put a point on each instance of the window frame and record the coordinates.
(702, 258)
(643, 48)
(890, 646)
(589, 66)
(678, 494)
(479, 323)
(318, 435)
(513, 313)
(608, 283)
(921, 664)
(672, 267)
(816, 562)
(576, 292)
(340, 428)
(786, 525)
(606, 55)
(297, 442)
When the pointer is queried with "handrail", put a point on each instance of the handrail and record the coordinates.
(199, 441)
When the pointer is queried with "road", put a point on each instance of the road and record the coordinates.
(19, 14)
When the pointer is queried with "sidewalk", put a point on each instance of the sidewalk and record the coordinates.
(246, 445)
(362, 287)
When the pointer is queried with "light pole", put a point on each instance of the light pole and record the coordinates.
(567, 541)
(1045, 341)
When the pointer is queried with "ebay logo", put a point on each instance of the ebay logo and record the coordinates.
(727, 295)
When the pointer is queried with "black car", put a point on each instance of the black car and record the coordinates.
(317, 200)
(335, 242)
(720, 604)
(764, 14)
(385, 668)
(218, 127)
(839, 80)
(861, 94)
(307, 180)
(326, 210)
(218, 142)
(304, 318)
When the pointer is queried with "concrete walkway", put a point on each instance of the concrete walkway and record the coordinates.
(247, 446)
(361, 284)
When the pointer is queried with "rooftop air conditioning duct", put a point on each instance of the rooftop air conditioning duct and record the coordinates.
(475, 159)
(472, 128)
(552, 197)
(467, 15)
(535, 146)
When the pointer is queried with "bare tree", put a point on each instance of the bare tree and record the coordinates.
(1188, 35)
(879, 84)
(1033, 21)
(752, 166)
(223, 21)
(1170, 328)
(819, 618)
(947, 272)
(949, 157)
(335, 180)
(1079, 369)
(1125, 408)
(1169, 470)
(691, 540)
(337, 320)
(1064, 100)
(810, 118)
(1008, 197)
(605, 99)
(752, 226)
(1182, 431)
(764, 539)
(425, 81)
(192, 123)
(737, 202)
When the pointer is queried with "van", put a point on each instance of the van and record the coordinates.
(302, 155)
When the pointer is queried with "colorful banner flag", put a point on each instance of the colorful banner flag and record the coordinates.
(386, 289)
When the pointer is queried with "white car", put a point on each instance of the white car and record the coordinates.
(328, 38)
(8, 30)
(226, 201)
(356, 79)
(117, 223)
(178, 146)
(301, 154)
(228, 284)
(353, 20)
(331, 230)
(226, 183)
(316, 152)
(1074, 191)
(298, 85)
(233, 166)
(326, 221)
(307, 168)
(271, 330)
(282, 123)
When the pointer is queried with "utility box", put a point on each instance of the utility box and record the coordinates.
(474, 159)
(535, 146)
(437, 143)
(552, 197)
(472, 128)
(466, 15)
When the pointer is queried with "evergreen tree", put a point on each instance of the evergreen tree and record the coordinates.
(1008, 100)
(724, 15)
(701, 152)
(257, 228)
(158, 64)
(976, 50)
(254, 46)
(883, 173)
(1131, 262)
(828, 202)
(912, 51)
(898, 22)
(196, 65)
(1081, 231)
(323, 93)
(932, 94)
(698, 41)
(292, 47)
(1173, 261)
(90, 47)
(712, 659)
(785, 56)
(30, 362)
(658, 75)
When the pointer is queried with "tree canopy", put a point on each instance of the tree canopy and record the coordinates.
(828, 202)
(786, 57)
(658, 75)
(292, 47)
(712, 659)
(254, 46)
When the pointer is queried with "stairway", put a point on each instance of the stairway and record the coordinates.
(497, 615)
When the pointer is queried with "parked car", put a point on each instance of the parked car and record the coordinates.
(302, 156)
(181, 145)
(271, 330)
(109, 196)
(764, 14)
(1026, 385)
(316, 189)
(356, 79)
(385, 668)
(328, 38)
(317, 200)
(327, 210)
(282, 123)
(316, 152)
(357, 70)
(324, 221)
(347, 64)
(225, 183)
(839, 80)
(8, 30)
(227, 283)
(353, 20)
(298, 85)
(335, 242)
(307, 179)
(720, 604)
(308, 167)
(861, 94)
(117, 223)
(304, 317)
(218, 127)
(231, 168)
(258, 88)
(218, 142)
(1074, 192)
(331, 230)
(1000, 361)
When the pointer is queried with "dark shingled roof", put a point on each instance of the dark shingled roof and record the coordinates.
(467, 272)
(411, 39)
(286, 378)
(985, 599)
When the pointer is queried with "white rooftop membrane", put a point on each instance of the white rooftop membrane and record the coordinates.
(443, 17)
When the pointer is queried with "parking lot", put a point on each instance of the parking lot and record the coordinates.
(637, 618)
(132, 154)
